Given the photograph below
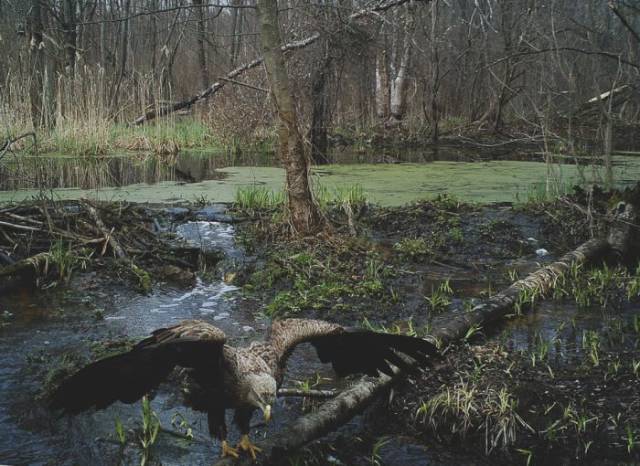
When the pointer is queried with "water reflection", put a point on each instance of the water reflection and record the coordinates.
(50, 172)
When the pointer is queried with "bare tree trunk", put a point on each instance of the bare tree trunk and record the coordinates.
(435, 74)
(103, 39)
(124, 53)
(154, 39)
(303, 211)
(401, 80)
(320, 109)
(201, 39)
(70, 36)
(236, 30)
(382, 83)
(41, 86)
(168, 58)
(608, 149)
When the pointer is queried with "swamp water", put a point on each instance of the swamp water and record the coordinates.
(216, 177)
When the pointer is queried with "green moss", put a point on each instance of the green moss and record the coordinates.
(412, 248)
(143, 278)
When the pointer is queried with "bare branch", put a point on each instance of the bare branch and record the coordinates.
(623, 20)
(6, 147)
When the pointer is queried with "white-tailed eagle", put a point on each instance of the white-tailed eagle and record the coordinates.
(225, 377)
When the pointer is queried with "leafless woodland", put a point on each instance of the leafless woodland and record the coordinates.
(439, 65)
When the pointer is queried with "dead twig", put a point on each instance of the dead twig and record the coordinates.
(6, 147)
(108, 235)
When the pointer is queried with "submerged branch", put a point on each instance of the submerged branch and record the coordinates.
(297, 392)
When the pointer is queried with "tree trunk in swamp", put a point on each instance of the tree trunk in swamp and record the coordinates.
(201, 39)
(236, 31)
(382, 84)
(622, 238)
(70, 35)
(124, 54)
(320, 109)
(398, 100)
(303, 211)
(41, 86)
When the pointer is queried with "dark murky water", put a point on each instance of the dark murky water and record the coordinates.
(28, 172)
(41, 326)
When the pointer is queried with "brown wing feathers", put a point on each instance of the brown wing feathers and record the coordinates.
(129, 376)
(350, 350)
(363, 351)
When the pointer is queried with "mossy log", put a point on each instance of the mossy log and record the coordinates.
(28, 266)
(332, 414)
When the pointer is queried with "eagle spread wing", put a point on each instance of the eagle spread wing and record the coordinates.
(349, 350)
(129, 376)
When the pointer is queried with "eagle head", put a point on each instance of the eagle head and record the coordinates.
(262, 392)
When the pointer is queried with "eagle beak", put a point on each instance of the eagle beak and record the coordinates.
(267, 413)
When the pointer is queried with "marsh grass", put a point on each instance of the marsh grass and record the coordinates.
(465, 408)
(256, 198)
(86, 121)
(440, 298)
(149, 431)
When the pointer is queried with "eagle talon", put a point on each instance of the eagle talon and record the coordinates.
(228, 450)
(246, 445)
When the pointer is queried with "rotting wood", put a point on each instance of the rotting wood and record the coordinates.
(24, 266)
(340, 409)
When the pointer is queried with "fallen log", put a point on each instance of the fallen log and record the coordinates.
(216, 86)
(455, 327)
(340, 409)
